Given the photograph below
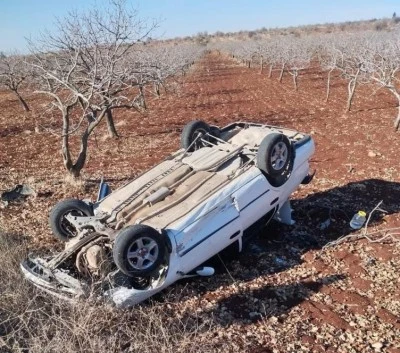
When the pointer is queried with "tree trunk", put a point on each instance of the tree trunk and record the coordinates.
(270, 71)
(144, 105)
(157, 89)
(351, 89)
(112, 131)
(328, 86)
(75, 169)
(249, 64)
(281, 74)
(261, 65)
(65, 140)
(397, 121)
(295, 75)
(22, 101)
(165, 88)
(81, 160)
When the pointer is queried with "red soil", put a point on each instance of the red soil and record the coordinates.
(331, 313)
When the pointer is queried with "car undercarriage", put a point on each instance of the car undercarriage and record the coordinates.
(135, 241)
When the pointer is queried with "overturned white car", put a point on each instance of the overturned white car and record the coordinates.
(163, 225)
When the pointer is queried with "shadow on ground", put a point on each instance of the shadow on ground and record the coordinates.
(279, 247)
(268, 301)
(321, 217)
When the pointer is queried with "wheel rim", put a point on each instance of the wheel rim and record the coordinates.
(279, 156)
(142, 253)
(66, 226)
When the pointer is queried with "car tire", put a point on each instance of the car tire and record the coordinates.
(139, 250)
(215, 131)
(190, 132)
(60, 227)
(275, 158)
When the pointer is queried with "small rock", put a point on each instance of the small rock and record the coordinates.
(377, 346)
(273, 319)
(371, 154)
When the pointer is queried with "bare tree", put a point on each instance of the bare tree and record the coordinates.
(112, 131)
(359, 57)
(282, 57)
(160, 63)
(328, 57)
(258, 54)
(270, 49)
(351, 54)
(299, 57)
(242, 51)
(81, 69)
(14, 73)
(383, 64)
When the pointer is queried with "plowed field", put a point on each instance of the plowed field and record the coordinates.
(287, 292)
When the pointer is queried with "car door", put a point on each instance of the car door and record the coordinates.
(255, 199)
(209, 233)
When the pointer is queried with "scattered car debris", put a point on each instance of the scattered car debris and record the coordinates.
(18, 193)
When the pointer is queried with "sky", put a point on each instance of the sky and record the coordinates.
(26, 18)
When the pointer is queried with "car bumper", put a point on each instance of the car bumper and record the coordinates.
(54, 282)
(64, 286)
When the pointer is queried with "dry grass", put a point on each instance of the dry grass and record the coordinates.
(74, 184)
(31, 321)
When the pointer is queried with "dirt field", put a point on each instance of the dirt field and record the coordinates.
(285, 293)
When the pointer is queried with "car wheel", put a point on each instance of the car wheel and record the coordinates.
(138, 250)
(214, 132)
(275, 158)
(192, 134)
(61, 227)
